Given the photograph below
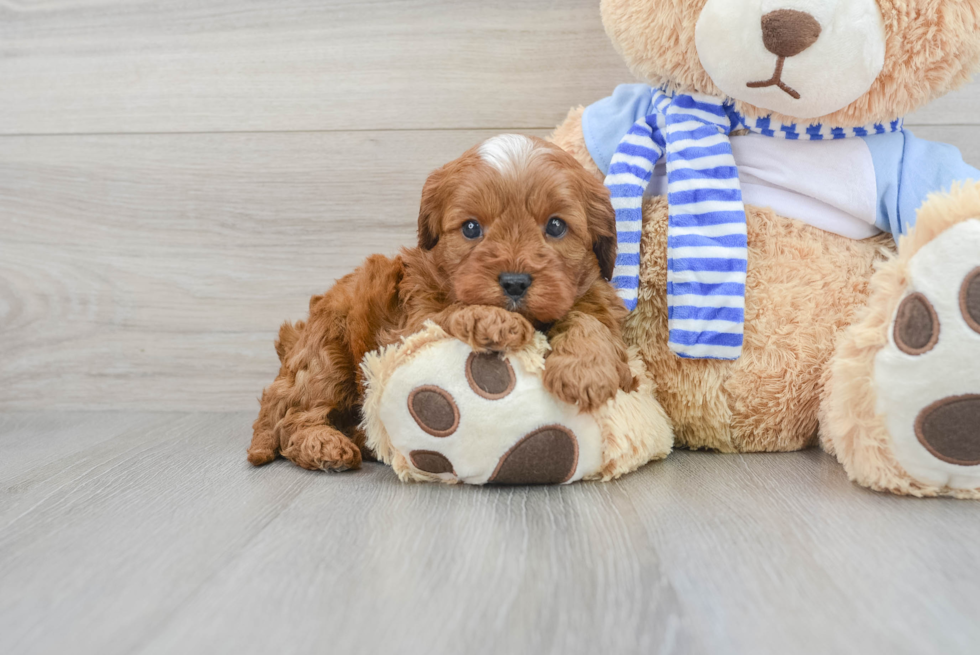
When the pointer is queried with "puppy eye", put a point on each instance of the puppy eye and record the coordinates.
(556, 227)
(472, 230)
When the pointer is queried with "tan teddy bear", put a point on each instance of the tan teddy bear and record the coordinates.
(767, 157)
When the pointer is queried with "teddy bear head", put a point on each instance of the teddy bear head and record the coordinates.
(848, 63)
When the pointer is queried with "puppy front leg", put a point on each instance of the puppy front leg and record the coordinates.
(588, 363)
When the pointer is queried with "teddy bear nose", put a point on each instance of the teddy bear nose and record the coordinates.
(515, 285)
(788, 32)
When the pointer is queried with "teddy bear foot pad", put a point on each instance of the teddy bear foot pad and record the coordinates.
(928, 376)
(546, 456)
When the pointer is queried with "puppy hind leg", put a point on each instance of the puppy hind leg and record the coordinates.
(263, 449)
(313, 438)
(265, 438)
(348, 422)
(313, 444)
(315, 398)
(274, 403)
(309, 432)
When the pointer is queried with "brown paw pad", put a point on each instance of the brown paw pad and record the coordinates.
(434, 410)
(490, 375)
(548, 455)
(916, 326)
(431, 462)
(970, 299)
(950, 429)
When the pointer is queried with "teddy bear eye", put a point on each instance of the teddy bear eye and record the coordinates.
(556, 227)
(472, 230)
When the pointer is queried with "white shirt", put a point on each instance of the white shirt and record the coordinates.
(828, 184)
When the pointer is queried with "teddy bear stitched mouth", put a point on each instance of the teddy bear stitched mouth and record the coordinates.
(786, 33)
(777, 80)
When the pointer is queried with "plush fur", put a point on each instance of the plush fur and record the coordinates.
(512, 186)
(805, 286)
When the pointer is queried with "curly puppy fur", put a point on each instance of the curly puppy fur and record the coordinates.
(512, 186)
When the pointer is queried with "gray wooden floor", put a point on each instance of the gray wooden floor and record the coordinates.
(149, 533)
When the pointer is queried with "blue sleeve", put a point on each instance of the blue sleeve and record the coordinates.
(908, 170)
(606, 122)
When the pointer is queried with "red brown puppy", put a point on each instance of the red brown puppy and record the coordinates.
(513, 236)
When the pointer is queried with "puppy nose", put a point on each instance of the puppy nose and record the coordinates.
(788, 32)
(515, 285)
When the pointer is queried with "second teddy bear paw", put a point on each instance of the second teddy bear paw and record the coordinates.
(928, 375)
(902, 400)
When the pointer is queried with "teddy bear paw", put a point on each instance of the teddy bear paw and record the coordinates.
(927, 377)
(456, 415)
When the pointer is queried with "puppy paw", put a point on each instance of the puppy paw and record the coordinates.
(486, 328)
(588, 379)
(323, 449)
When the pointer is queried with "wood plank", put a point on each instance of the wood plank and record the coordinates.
(99, 547)
(152, 271)
(246, 65)
(850, 570)
(163, 540)
(20, 436)
(111, 66)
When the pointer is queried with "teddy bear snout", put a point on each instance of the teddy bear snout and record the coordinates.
(788, 32)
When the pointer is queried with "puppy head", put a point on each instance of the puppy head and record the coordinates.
(517, 223)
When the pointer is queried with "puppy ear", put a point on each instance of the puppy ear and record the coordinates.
(430, 213)
(602, 226)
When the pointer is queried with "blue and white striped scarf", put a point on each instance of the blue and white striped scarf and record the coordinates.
(707, 247)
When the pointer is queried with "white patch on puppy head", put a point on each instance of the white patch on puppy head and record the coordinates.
(508, 153)
(830, 73)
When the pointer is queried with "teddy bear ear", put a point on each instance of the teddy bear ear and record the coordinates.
(430, 212)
